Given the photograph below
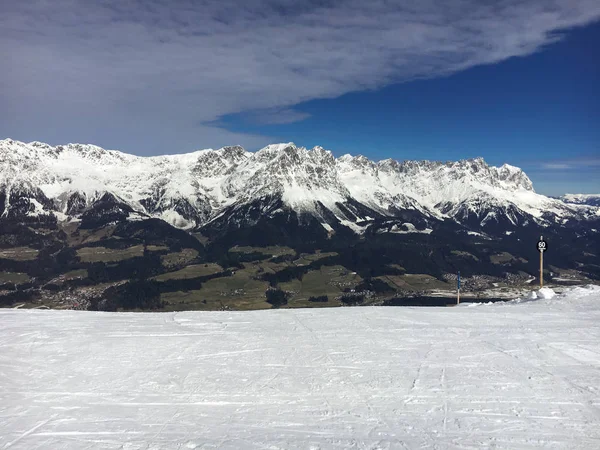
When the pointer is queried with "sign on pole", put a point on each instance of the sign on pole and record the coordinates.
(542, 246)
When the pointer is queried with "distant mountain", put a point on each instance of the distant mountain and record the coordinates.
(215, 191)
(85, 227)
(582, 199)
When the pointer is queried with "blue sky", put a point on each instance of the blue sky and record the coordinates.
(513, 81)
(540, 112)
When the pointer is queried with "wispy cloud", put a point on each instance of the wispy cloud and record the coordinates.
(571, 164)
(151, 71)
(275, 116)
(556, 166)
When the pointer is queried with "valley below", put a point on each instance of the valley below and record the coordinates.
(155, 268)
(86, 228)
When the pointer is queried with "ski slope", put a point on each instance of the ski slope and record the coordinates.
(524, 374)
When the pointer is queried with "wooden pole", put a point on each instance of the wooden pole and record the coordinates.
(542, 247)
(541, 270)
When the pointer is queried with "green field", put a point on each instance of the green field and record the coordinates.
(505, 258)
(75, 274)
(501, 258)
(414, 282)
(193, 271)
(78, 237)
(196, 300)
(464, 254)
(243, 291)
(307, 258)
(239, 291)
(328, 280)
(258, 267)
(272, 250)
(176, 259)
(103, 254)
(14, 277)
(19, 253)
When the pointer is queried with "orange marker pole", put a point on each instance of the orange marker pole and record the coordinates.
(542, 246)
(541, 270)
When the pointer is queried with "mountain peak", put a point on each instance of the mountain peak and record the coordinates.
(190, 189)
(582, 199)
(39, 144)
(278, 147)
(474, 164)
(233, 152)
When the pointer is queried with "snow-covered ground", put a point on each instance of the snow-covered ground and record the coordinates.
(524, 374)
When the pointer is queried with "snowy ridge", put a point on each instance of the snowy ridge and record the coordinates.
(582, 199)
(191, 190)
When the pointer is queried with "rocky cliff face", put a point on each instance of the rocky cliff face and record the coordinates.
(210, 189)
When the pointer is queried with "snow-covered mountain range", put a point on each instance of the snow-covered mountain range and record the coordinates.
(582, 199)
(208, 188)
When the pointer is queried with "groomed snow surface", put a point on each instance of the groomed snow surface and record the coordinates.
(524, 374)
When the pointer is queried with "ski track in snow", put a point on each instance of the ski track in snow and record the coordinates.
(524, 374)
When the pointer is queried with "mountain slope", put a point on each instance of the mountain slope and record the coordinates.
(205, 189)
(85, 227)
(582, 199)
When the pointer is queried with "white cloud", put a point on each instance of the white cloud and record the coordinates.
(160, 75)
(575, 163)
(556, 166)
(275, 116)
